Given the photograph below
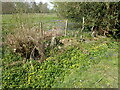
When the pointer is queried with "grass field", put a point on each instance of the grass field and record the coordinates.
(10, 22)
(90, 64)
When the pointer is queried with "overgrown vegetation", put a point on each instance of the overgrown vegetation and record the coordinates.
(55, 70)
(38, 54)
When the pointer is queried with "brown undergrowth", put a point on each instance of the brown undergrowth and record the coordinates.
(29, 43)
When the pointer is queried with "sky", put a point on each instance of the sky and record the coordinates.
(42, 0)
(50, 6)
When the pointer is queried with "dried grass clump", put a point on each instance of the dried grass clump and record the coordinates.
(27, 42)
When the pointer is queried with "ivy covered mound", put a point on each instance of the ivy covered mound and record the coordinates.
(73, 67)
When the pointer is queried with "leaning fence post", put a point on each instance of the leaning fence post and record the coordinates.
(66, 25)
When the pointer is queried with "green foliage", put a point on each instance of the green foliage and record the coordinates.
(8, 7)
(62, 67)
(103, 14)
(24, 7)
(55, 69)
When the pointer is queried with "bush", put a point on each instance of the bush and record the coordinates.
(30, 43)
(27, 42)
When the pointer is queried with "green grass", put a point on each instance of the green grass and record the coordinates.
(102, 75)
(91, 64)
(69, 69)
(15, 20)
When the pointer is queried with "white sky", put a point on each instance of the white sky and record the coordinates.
(42, 1)
(50, 6)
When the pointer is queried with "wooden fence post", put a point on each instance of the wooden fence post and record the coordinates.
(41, 47)
(83, 24)
(66, 25)
(82, 27)
(41, 31)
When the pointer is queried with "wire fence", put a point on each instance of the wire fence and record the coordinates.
(69, 28)
(61, 24)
